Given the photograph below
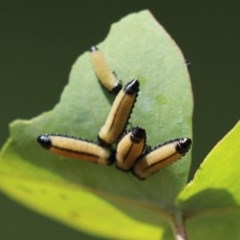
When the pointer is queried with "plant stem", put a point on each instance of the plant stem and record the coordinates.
(179, 226)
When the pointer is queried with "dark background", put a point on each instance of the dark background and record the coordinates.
(39, 42)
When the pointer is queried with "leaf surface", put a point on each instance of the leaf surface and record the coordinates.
(211, 202)
(99, 199)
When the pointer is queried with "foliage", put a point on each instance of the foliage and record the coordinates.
(102, 200)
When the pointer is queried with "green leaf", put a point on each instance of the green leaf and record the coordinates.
(211, 201)
(99, 199)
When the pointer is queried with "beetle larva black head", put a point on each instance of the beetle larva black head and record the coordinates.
(132, 87)
(44, 140)
(117, 88)
(138, 134)
(93, 49)
(183, 145)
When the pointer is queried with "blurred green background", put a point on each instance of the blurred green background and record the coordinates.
(40, 41)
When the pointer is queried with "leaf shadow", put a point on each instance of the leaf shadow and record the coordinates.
(210, 198)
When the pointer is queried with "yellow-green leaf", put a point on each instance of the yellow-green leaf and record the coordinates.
(211, 201)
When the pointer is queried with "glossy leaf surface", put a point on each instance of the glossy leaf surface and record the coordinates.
(211, 202)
